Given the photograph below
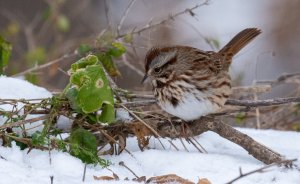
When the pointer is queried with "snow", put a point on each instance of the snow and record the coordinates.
(219, 165)
(12, 88)
(123, 115)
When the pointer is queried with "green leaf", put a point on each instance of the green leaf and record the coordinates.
(90, 90)
(63, 23)
(62, 145)
(83, 62)
(21, 145)
(5, 52)
(71, 94)
(94, 90)
(38, 138)
(107, 114)
(108, 64)
(117, 49)
(83, 145)
(83, 49)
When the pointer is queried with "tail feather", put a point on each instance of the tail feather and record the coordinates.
(240, 41)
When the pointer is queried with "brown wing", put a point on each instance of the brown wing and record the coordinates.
(208, 61)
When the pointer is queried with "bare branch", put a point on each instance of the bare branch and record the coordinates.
(237, 89)
(107, 14)
(22, 122)
(172, 17)
(251, 89)
(204, 124)
(50, 63)
(131, 66)
(259, 103)
(125, 16)
(284, 78)
(261, 169)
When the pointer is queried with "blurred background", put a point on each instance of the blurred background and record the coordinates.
(42, 31)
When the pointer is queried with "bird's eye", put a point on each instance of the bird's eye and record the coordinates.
(157, 70)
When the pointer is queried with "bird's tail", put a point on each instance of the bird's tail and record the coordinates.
(239, 41)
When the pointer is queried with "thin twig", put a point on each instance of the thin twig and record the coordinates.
(51, 179)
(143, 122)
(125, 16)
(197, 127)
(189, 140)
(170, 141)
(2, 157)
(204, 150)
(258, 103)
(84, 172)
(123, 164)
(22, 122)
(260, 170)
(110, 138)
(286, 77)
(236, 89)
(181, 140)
(172, 17)
(50, 63)
(107, 14)
(131, 66)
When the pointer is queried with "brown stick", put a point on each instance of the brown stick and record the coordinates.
(22, 122)
(174, 130)
(268, 102)
(235, 102)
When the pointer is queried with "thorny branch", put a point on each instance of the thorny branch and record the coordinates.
(171, 17)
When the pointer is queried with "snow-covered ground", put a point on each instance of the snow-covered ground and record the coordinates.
(219, 165)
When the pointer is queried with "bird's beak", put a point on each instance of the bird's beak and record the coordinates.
(143, 80)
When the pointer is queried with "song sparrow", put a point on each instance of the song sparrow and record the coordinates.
(190, 83)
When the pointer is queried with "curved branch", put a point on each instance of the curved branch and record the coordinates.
(197, 127)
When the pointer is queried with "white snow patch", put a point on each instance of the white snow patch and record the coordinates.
(219, 165)
(123, 115)
(12, 88)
